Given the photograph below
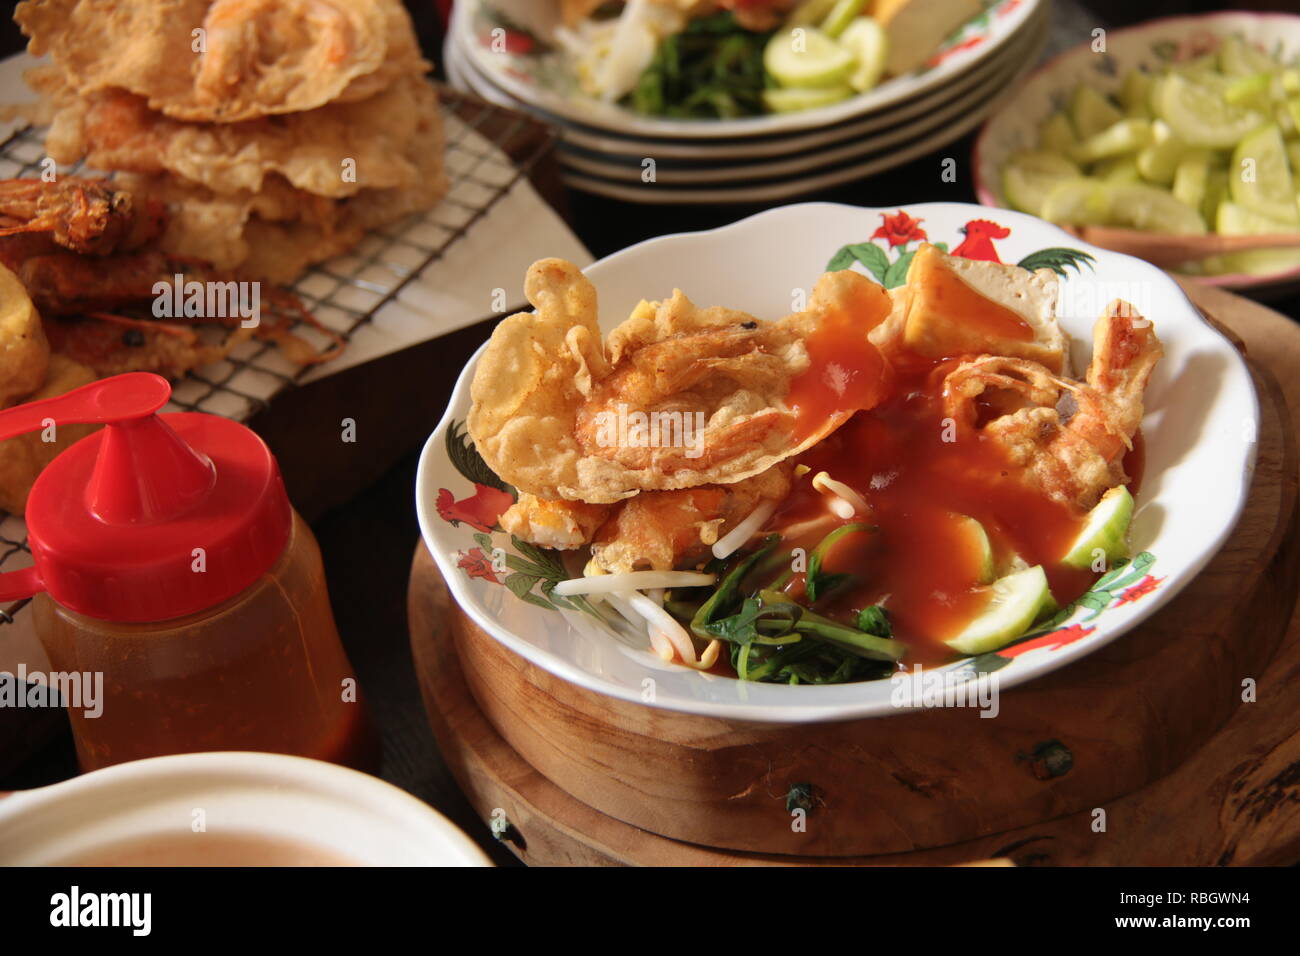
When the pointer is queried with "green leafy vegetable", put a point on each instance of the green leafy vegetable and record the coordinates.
(725, 596)
(711, 70)
(875, 620)
(819, 584)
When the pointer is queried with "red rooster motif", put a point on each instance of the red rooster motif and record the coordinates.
(480, 510)
(978, 243)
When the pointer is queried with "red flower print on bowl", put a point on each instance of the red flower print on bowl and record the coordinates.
(899, 229)
(1053, 641)
(477, 565)
(1139, 590)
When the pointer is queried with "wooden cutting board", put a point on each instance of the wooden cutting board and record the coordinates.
(1161, 751)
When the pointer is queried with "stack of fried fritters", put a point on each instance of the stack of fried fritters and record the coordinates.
(278, 131)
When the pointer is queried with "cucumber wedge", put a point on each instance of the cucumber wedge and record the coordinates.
(1117, 169)
(1079, 202)
(867, 41)
(1158, 162)
(980, 545)
(1193, 105)
(1030, 175)
(1239, 58)
(1260, 176)
(1135, 93)
(1191, 178)
(794, 101)
(1126, 136)
(1090, 112)
(1014, 603)
(842, 14)
(1056, 135)
(1139, 206)
(805, 57)
(1104, 534)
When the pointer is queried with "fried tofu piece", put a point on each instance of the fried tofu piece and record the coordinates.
(956, 306)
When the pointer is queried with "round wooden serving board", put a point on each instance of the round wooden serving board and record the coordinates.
(1141, 753)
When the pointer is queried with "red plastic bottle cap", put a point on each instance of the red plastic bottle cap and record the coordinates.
(154, 516)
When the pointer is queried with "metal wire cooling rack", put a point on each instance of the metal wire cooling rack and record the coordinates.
(489, 150)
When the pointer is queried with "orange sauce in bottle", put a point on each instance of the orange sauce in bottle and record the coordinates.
(264, 670)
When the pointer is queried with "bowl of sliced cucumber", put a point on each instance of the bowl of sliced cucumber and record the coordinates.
(1184, 126)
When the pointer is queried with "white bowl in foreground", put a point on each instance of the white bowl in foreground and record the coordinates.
(227, 809)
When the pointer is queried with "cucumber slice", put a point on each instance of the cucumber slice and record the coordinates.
(1079, 202)
(1158, 162)
(1252, 91)
(1139, 206)
(1126, 136)
(1118, 169)
(1014, 603)
(1235, 219)
(1191, 177)
(1135, 93)
(867, 41)
(1193, 105)
(795, 101)
(1239, 58)
(804, 57)
(1056, 134)
(980, 545)
(1104, 532)
(1090, 112)
(842, 14)
(1216, 190)
(1030, 175)
(1092, 202)
(1268, 188)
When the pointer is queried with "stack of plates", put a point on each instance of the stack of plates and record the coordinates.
(614, 152)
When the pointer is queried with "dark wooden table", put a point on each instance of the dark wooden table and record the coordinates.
(368, 541)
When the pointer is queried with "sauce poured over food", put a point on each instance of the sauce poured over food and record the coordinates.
(925, 562)
(846, 372)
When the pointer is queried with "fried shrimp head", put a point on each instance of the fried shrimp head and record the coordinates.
(1069, 438)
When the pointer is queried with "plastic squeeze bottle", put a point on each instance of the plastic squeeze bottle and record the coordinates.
(168, 559)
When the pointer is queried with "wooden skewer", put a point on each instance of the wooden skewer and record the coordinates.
(1167, 249)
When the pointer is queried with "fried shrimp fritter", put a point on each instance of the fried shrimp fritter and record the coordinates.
(1072, 454)
(656, 530)
(678, 397)
(252, 57)
(663, 530)
(559, 525)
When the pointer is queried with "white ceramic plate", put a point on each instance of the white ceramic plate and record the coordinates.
(883, 145)
(540, 81)
(1202, 416)
(1023, 46)
(328, 810)
(801, 185)
(1015, 125)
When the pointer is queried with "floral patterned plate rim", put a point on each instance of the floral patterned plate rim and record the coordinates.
(1014, 126)
(525, 71)
(1200, 429)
